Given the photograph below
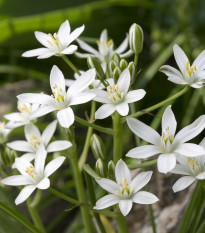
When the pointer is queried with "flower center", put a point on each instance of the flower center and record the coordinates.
(193, 163)
(58, 93)
(2, 125)
(54, 40)
(115, 95)
(190, 70)
(30, 171)
(105, 44)
(124, 188)
(25, 109)
(167, 139)
(34, 141)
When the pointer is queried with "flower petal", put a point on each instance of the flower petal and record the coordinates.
(53, 165)
(58, 146)
(35, 52)
(81, 98)
(44, 183)
(83, 55)
(199, 62)
(40, 159)
(70, 49)
(177, 80)
(145, 198)
(123, 108)
(108, 185)
(41, 112)
(22, 165)
(125, 206)
(87, 47)
(46, 55)
(48, 133)
(64, 33)
(126, 54)
(103, 36)
(21, 146)
(171, 72)
(106, 201)
(57, 80)
(43, 38)
(192, 130)
(66, 117)
(180, 57)
(143, 131)
(104, 111)
(143, 152)
(168, 121)
(15, 116)
(190, 150)
(183, 183)
(75, 34)
(133, 96)
(140, 180)
(123, 82)
(166, 162)
(17, 180)
(30, 131)
(181, 170)
(201, 176)
(122, 172)
(123, 46)
(101, 96)
(24, 194)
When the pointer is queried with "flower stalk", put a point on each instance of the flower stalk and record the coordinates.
(73, 67)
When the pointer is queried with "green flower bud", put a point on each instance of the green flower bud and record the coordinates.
(112, 66)
(100, 168)
(98, 147)
(111, 170)
(116, 74)
(94, 63)
(132, 69)
(136, 38)
(91, 172)
(116, 57)
(123, 64)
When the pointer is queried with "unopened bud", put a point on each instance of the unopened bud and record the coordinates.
(116, 74)
(112, 66)
(136, 38)
(123, 64)
(100, 168)
(116, 57)
(132, 70)
(94, 63)
(98, 147)
(111, 170)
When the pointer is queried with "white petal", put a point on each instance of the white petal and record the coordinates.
(41, 112)
(35, 52)
(123, 46)
(145, 198)
(133, 96)
(65, 117)
(125, 206)
(40, 159)
(57, 79)
(83, 55)
(192, 130)
(24, 194)
(183, 183)
(202, 143)
(181, 170)
(12, 125)
(122, 172)
(171, 72)
(126, 54)
(177, 80)
(81, 98)
(103, 36)
(22, 164)
(166, 162)
(180, 57)
(190, 150)
(17, 180)
(101, 96)
(53, 165)
(123, 108)
(123, 82)
(87, 47)
(140, 180)
(58, 146)
(106, 201)
(143, 152)
(70, 49)
(69, 82)
(28, 157)
(104, 111)
(201, 176)
(108, 185)
(64, 33)
(82, 83)
(48, 133)
(21, 146)
(43, 38)
(75, 34)
(15, 116)
(44, 184)
(143, 131)
(169, 121)
(31, 130)
(199, 62)
(46, 55)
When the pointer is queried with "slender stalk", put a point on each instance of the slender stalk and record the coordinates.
(97, 127)
(73, 67)
(121, 223)
(136, 60)
(117, 145)
(84, 154)
(156, 106)
(35, 216)
(20, 218)
(37, 198)
(142, 165)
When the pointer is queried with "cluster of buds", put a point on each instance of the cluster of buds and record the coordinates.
(7, 158)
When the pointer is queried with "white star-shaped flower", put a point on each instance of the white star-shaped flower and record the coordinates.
(56, 44)
(126, 190)
(33, 177)
(192, 75)
(168, 145)
(61, 100)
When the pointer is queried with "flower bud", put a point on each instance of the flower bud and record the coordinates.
(116, 57)
(100, 168)
(94, 63)
(123, 64)
(112, 66)
(97, 147)
(136, 38)
(91, 172)
(116, 74)
(132, 70)
(111, 170)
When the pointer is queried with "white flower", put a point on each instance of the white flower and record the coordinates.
(193, 76)
(56, 44)
(20, 118)
(33, 176)
(105, 49)
(117, 97)
(125, 191)
(61, 100)
(4, 132)
(35, 139)
(168, 145)
(193, 168)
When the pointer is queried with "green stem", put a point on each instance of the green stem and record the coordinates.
(35, 216)
(142, 165)
(84, 154)
(136, 60)
(97, 127)
(37, 198)
(117, 144)
(156, 106)
(121, 223)
(71, 65)
(20, 218)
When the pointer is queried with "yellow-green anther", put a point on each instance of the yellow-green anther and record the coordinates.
(136, 38)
